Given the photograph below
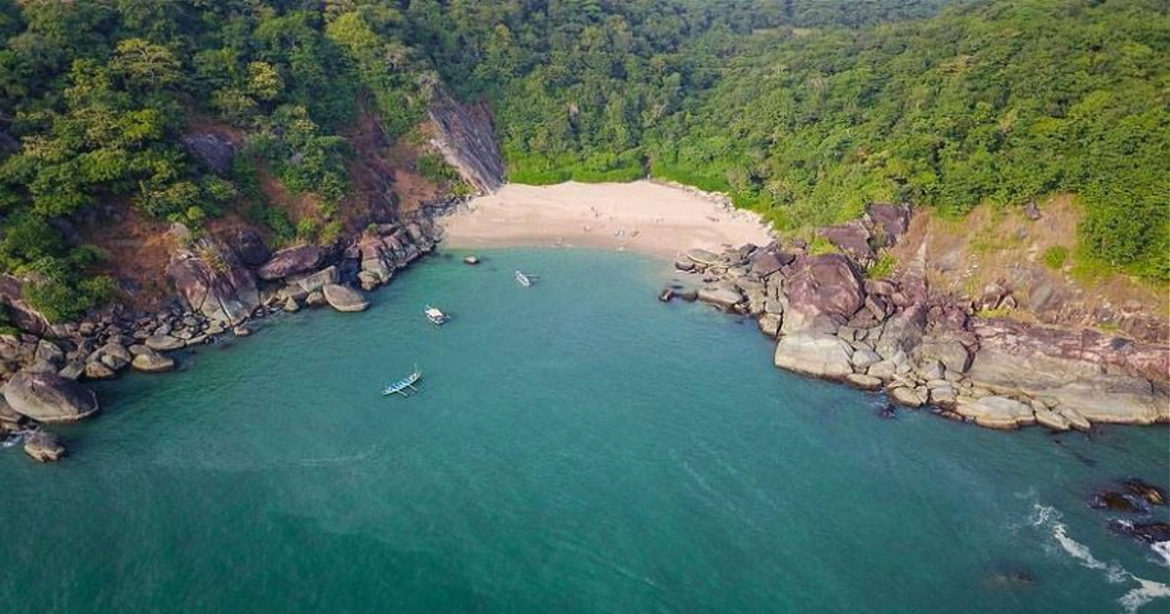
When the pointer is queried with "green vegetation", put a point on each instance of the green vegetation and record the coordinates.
(804, 110)
(883, 267)
(1056, 256)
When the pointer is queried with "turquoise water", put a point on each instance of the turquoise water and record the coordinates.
(577, 447)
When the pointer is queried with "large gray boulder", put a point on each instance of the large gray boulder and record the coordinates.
(816, 354)
(315, 281)
(150, 361)
(723, 296)
(852, 238)
(344, 298)
(48, 397)
(214, 150)
(292, 261)
(996, 412)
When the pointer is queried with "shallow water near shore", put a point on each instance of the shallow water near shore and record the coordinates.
(577, 447)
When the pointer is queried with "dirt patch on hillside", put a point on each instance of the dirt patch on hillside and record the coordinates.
(1036, 260)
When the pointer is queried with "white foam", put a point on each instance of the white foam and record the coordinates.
(1146, 591)
(1163, 550)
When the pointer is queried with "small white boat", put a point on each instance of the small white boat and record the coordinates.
(404, 386)
(438, 318)
(523, 279)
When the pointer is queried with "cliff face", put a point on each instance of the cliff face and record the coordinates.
(466, 137)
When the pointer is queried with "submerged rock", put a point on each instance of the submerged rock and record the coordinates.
(1152, 494)
(48, 397)
(43, 446)
(1116, 502)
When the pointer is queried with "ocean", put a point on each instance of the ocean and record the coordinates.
(575, 446)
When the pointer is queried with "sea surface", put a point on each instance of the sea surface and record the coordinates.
(576, 446)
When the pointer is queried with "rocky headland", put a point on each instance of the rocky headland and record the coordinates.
(927, 347)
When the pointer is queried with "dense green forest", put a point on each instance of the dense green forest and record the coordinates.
(802, 109)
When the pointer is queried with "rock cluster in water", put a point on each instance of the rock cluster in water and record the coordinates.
(832, 321)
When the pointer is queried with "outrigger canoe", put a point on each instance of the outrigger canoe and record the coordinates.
(404, 386)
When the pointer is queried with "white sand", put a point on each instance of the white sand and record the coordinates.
(642, 216)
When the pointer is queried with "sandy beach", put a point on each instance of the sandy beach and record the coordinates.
(642, 216)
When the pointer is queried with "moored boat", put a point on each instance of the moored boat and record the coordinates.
(437, 317)
(404, 386)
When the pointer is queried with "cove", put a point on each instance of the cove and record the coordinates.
(577, 447)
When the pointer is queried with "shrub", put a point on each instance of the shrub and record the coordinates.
(1056, 256)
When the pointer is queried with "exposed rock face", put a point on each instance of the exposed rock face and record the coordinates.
(292, 261)
(467, 140)
(48, 397)
(853, 238)
(212, 279)
(822, 292)
(214, 150)
(251, 249)
(926, 347)
(344, 298)
(891, 221)
(23, 315)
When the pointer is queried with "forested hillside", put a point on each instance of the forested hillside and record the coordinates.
(803, 109)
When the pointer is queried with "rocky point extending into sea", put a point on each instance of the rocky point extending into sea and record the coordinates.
(220, 288)
(922, 347)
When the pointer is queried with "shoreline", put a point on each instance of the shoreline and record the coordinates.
(828, 319)
(642, 216)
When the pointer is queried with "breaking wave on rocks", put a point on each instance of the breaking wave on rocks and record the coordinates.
(1046, 517)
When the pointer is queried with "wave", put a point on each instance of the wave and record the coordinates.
(1146, 591)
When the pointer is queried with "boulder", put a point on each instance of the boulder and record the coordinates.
(883, 369)
(864, 382)
(96, 369)
(20, 313)
(315, 281)
(906, 396)
(292, 261)
(1075, 420)
(769, 324)
(950, 352)
(250, 248)
(72, 370)
(863, 358)
(821, 292)
(996, 412)
(703, 257)
(768, 260)
(815, 354)
(48, 352)
(1051, 419)
(291, 305)
(892, 221)
(150, 361)
(852, 238)
(344, 298)
(47, 397)
(114, 355)
(241, 331)
(723, 296)
(163, 343)
(214, 150)
(43, 446)
(211, 278)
